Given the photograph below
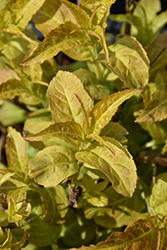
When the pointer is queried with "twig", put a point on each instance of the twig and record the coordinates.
(158, 160)
(154, 174)
(157, 56)
(31, 219)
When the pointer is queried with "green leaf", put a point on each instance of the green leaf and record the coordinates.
(63, 130)
(156, 109)
(12, 88)
(64, 105)
(16, 152)
(3, 220)
(157, 130)
(41, 233)
(51, 15)
(80, 15)
(5, 239)
(13, 29)
(11, 114)
(128, 60)
(115, 130)
(77, 230)
(20, 12)
(119, 210)
(97, 10)
(64, 37)
(153, 51)
(144, 234)
(158, 198)
(18, 194)
(92, 192)
(105, 109)
(17, 212)
(52, 165)
(81, 53)
(120, 169)
(55, 203)
(98, 32)
(19, 238)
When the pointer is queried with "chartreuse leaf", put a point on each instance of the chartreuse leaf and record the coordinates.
(157, 130)
(119, 211)
(105, 109)
(64, 105)
(93, 193)
(19, 211)
(20, 12)
(64, 37)
(115, 130)
(55, 203)
(52, 165)
(5, 239)
(156, 109)
(80, 15)
(153, 51)
(13, 29)
(63, 130)
(51, 15)
(97, 10)
(128, 60)
(12, 88)
(16, 152)
(3, 219)
(18, 194)
(158, 198)
(120, 168)
(19, 238)
(144, 234)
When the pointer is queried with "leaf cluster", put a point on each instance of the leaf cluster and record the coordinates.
(94, 132)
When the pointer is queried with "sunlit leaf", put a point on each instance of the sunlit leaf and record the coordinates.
(157, 130)
(65, 106)
(64, 37)
(92, 192)
(55, 203)
(52, 165)
(12, 88)
(11, 114)
(105, 109)
(158, 198)
(51, 15)
(120, 169)
(119, 211)
(17, 212)
(18, 194)
(128, 60)
(5, 239)
(97, 10)
(144, 234)
(115, 130)
(156, 109)
(63, 130)
(80, 15)
(20, 12)
(16, 152)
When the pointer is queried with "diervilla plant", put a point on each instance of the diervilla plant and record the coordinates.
(88, 167)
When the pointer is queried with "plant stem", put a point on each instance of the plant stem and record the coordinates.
(158, 160)
(157, 56)
(32, 219)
